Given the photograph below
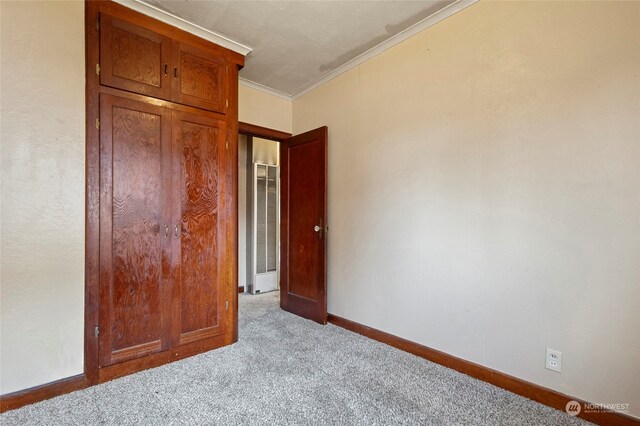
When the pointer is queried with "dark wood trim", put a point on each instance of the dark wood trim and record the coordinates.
(155, 360)
(262, 132)
(160, 103)
(518, 386)
(232, 208)
(241, 289)
(14, 400)
(92, 200)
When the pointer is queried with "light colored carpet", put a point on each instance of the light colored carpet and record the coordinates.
(287, 370)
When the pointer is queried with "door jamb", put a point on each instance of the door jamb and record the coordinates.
(262, 132)
(92, 195)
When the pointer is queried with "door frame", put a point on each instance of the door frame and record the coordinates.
(262, 132)
(282, 138)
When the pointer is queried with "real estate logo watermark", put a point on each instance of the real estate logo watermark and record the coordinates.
(574, 408)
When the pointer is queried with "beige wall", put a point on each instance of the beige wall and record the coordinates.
(266, 151)
(42, 211)
(484, 191)
(263, 109)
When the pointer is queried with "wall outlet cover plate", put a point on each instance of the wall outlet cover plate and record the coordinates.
(553, 360)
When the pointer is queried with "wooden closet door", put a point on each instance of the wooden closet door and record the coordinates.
(134, 58)
(135, 244)
(199, 159)
(200, 78)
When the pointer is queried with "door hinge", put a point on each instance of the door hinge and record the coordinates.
(98, 69)
(226, 305)
(226, 143)
(227, 103)
(98, 23)
(97, 331)
(98, 123)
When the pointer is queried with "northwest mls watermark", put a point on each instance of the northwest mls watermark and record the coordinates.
(574, 407)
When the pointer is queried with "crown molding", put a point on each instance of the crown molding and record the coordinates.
(265, 89)
(219, 39)
(185, 25)
(422, 25)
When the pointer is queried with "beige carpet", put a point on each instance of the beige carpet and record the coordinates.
(287, 370)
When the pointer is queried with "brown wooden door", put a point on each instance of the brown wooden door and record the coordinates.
(199, 181)
(135, 249)
(133, 58)
(303, 285)
(199, 78)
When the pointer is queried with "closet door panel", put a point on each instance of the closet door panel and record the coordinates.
(199, 302)
(134, 58)
(135, 199)
(200, 78)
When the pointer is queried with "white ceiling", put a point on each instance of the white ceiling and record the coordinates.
(296, 43)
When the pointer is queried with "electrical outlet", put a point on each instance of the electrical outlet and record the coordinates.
(553, 360)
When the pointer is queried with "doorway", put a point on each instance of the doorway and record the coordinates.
(258, 208)
(258, 214)
(298, 262)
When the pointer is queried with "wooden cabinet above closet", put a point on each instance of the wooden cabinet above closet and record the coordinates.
(140, 60)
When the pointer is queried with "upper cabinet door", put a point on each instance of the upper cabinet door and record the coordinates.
(199, 78)
(134, 58)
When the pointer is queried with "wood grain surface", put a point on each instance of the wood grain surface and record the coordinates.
(134, 138)
(134, 58)
(199, 78)
(200, 140)
(303, 205)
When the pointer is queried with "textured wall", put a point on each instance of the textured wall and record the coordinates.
(484, 191)
(263, 109)
(42, 210)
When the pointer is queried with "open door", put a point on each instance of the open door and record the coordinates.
(303, 207)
